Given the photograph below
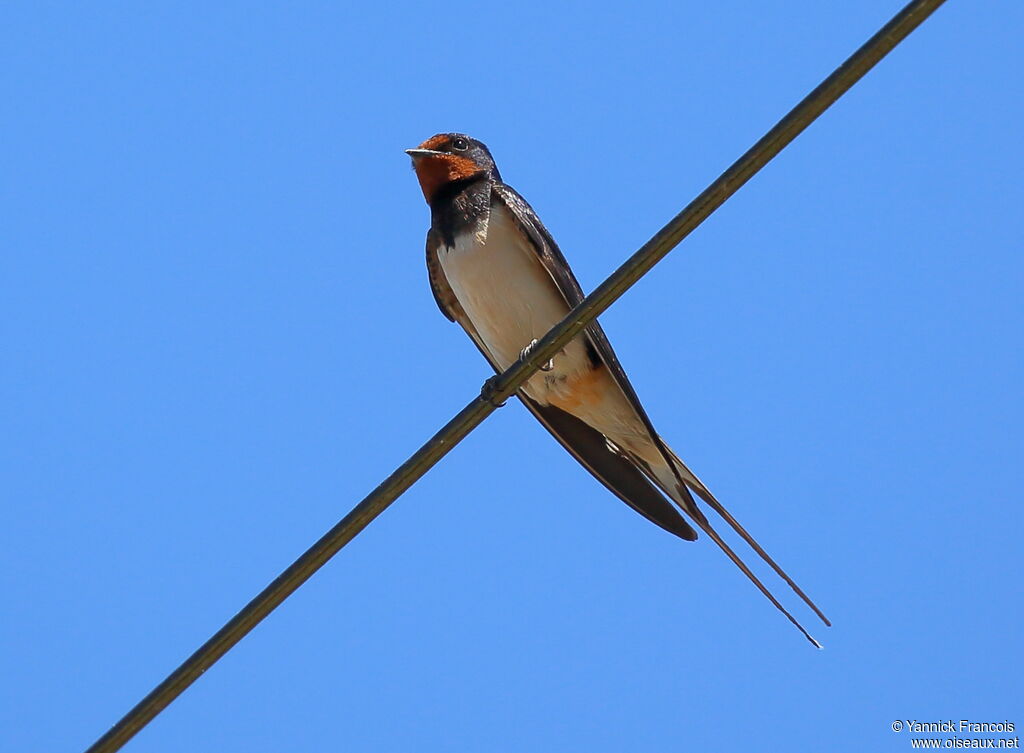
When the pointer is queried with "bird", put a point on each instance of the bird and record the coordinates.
(495, 270)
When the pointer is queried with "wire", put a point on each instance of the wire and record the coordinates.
(503, 386)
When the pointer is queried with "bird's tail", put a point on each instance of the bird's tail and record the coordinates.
(676, 480)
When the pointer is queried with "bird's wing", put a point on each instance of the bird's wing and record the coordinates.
(558, 268)
(443, 294)
(587, 445)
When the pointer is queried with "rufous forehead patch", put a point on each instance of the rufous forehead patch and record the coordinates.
(435, 142)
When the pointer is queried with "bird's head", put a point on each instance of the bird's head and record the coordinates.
(449, 157)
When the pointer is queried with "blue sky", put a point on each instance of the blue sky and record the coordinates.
(217, 336)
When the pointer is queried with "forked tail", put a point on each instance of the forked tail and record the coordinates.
(676, 481)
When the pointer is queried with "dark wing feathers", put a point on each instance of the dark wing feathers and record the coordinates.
(584, 443)
(615, 471)
(439, 286)
(557, 266)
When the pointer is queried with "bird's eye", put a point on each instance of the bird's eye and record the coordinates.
(460, 144)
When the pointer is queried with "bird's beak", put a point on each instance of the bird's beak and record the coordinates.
(415, 153)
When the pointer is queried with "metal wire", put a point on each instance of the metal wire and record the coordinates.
(504, 385)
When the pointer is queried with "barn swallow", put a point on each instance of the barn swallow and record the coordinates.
(495, 269)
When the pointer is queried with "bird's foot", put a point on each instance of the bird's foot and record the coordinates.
(488, 390)
(525, 353)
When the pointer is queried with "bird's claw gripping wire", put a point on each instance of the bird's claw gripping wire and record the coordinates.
(488, 390)
(525, 353)
(491, 385)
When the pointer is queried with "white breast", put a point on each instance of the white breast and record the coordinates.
(509, 296)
